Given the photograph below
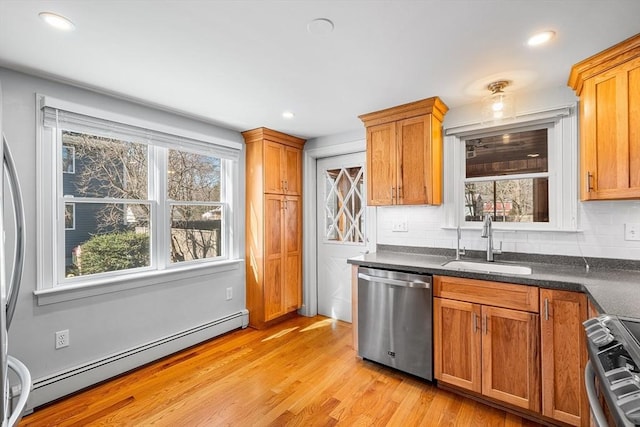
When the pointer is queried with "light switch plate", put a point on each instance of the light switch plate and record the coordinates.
(632, 232)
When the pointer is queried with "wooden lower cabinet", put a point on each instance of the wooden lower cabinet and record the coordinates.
(282, 256)
(457, 343)
(488, 350)
(511, 357)
(515, 344)
(564, 356)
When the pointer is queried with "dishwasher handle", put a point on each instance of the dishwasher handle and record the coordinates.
(395, 282)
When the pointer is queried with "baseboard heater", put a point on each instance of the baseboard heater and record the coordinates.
(82, 376)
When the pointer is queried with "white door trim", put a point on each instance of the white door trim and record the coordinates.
(309, 246)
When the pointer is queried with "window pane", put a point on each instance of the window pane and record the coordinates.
(196, 232)
(506, 154)
(344, 205)
(68, 159)
(193, 177)
(107, 237)
(516, 200)
(69, 216)
(105, 167)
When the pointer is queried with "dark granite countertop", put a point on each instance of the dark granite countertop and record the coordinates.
(612, 285)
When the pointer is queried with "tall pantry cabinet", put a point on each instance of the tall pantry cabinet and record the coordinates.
(273, 225)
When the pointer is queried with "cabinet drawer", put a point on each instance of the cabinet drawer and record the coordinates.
(507, 295)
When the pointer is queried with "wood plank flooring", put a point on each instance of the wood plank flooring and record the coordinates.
(302, 372)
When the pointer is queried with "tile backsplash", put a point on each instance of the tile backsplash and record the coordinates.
(601, 235)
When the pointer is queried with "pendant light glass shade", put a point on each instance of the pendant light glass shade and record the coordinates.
(498, 105)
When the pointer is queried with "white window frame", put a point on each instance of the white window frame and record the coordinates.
(562, 172)
(52, 286)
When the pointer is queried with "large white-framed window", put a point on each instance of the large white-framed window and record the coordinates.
(143, 200)
(522, 173)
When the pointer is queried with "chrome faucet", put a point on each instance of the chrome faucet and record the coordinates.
(487, 233)
(459, 251)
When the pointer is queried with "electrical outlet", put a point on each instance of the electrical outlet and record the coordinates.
(401, 226)
(229, 293)
(62, 339)
(632, 232)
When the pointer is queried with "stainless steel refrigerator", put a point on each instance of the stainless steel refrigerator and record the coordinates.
(10, 277)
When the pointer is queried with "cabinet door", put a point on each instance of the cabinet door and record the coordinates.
(414, 160)
(293, 171)
(457, 339)
(273, 166)
(292, 285)
(273, 256)
(511, 357)
(610, 134)
(563, 356)
(381, 165)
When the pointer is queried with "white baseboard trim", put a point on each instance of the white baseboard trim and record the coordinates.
(55, 386)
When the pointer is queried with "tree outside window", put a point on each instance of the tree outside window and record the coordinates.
(112, 214)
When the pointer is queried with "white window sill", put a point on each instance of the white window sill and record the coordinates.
(105, 286)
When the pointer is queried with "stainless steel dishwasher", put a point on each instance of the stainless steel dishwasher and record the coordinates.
(395, 320)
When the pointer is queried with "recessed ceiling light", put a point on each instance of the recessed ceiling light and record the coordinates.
(288, 115)
(532, 155)
(320, 26)
(57, 21)
(541, 38)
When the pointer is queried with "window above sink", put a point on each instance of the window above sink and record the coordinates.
(523, 173)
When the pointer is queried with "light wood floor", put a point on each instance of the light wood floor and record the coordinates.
(302, 372)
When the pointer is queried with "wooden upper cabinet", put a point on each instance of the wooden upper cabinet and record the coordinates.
(608, 85)
(564, 356)
(381, 160)
(404, 154)
(282, 160)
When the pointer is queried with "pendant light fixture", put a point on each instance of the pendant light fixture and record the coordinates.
(499, 105)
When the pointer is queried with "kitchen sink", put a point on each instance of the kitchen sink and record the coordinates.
(489, 267)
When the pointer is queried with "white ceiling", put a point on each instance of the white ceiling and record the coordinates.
(241, 63)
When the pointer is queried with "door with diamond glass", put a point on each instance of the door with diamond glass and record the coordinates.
(342, 224)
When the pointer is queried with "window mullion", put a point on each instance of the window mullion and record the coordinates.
(161, 227)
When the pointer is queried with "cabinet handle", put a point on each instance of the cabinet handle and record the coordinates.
(588, 182)
(393, 194)
(286, 186)
(400, 193)
(475, 323)
(484, 324)
(546, 309)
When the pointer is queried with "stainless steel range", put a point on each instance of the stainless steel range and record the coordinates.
(614, 359)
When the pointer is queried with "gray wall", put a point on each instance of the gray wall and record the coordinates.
(116, 322)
